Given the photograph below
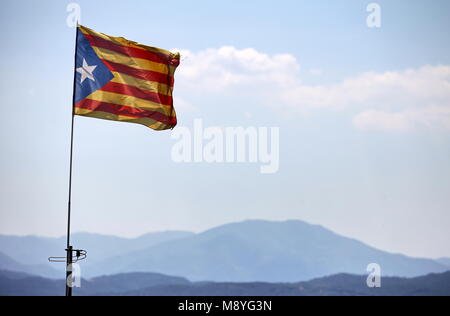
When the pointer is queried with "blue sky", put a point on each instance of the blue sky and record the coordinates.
(363, 116)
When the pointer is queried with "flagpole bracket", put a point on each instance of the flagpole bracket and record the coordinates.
(77, 255)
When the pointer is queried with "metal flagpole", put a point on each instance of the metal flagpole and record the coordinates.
(69, 248)
(79, 254)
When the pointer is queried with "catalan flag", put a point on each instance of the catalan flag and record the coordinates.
(120, 80)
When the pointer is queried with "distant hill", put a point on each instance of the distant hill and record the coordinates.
(251, 251)
(100, 247)
(6, 263)
(444, 261)
(17, 284)
(337, 285)
(20, 284)
(123, 283)
(34, 251)
(264, 251)
(30, 250)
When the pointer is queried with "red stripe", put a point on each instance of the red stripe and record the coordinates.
(140, 73)
(131, 51)
(116, 109)
(138, 93)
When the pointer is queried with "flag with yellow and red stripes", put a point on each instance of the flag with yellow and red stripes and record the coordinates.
(120, 80)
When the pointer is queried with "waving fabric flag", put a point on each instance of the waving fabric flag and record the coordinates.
(120, 80)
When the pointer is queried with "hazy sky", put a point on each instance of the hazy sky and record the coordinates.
(364, 118)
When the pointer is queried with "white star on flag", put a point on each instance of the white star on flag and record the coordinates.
(86, 71)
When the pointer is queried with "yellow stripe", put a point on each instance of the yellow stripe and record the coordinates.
(121, 99)
(125, 42)
(133, 62)
(121, 118)
(142, 84)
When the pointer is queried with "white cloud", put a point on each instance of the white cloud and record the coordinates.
(379, 120)
(431, 118)
(227, 67)
(390, 90)
(396, 100)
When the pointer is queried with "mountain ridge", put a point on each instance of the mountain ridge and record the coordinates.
(152, 284)
(7, 263)
(266, 251)
(444, 261)
(35, 250)
(247, 251)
